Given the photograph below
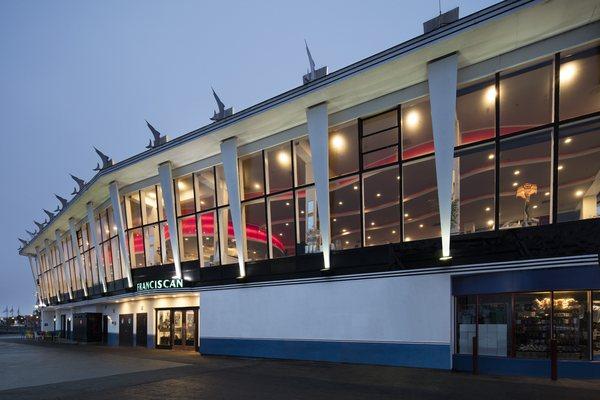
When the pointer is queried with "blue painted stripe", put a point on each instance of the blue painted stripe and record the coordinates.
(528, 367)
(396, 354)
(113, 339)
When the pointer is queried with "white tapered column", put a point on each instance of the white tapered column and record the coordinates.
(113, 189)
(166, 182)
(78, 258)
(52, 269)
(94, 234)
(32, 264)
(61, 257)
(44, 287)
(318, 135)
(229, 156)
(442, 96)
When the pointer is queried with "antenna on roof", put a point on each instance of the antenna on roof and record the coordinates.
(312, 73)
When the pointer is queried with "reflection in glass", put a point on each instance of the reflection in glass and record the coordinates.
(254, 221)
(190, 328)
(227, 237)
(596, 324)
(222, 195)
(344, 205)
(421, 212)
(209, 239)
(525, 180)
(476, 111)
(136, 248)
(177, 328)
(417, 134)
(494, 320)
(579, 82)
(188, 240)
(532, 325)
(184, 194)
(149, 205)
(251, 175)
(133, 210)
(205, 189)
(303, 162)
(281, 225)
(343, 149)
(278, 164)
(167, 251)
(381, 205)
(152, 244)
(466, 321)
(307, 227)
(570, 325)
(163, 327)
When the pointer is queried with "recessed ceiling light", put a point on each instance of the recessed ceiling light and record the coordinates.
(340, 203)
(378, 195)
(421, 225)
(516, 172)
(560, 167)
(547, 194)
(406, 215)
(487, 209)
(568, 140)
(579, 193)
(372, 223)
(515, 183)
(355, 187)
(535, 206)
(491, 156)
(490, 222)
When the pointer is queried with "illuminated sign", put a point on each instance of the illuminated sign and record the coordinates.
(159, 284)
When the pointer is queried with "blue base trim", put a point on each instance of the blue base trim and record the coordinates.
(113, 339)
(396, 354)
(150, 343)
(517, 366)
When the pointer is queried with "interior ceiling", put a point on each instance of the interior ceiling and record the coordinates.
(488, 39)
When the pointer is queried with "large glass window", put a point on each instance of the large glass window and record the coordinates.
(278, 164)
(532, 325)
(281, 225)
(136, 248)
(343, 149)
(209, 238)
(152, 245)
(222, 194)
(526, 97)
(307, 227)
(525, 180)
(251, 175)
(205, 189)
(344, 205)
(579, 171)
(596, 324)
(254, 221)
(188, 238)
(473, 189)
(476, 111)
(381, 205)
(380, 140)
(133, 210)
(579, 82)
(227, 237)
(571, 324)
(421, 211)
(184, 187)
(417, 133)
(494, 319)
(303, 162)
(466, 321)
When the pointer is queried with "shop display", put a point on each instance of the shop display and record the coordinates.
(532, 325)
(571, 325)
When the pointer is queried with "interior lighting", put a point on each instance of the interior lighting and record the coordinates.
(413, 118)
(579, 193)
(517, 172)
(560, 167)
(283, 158)
(490, 95)
(490, 222)
(491, 156)
(338, 143)
(567, 72)
(568, 140)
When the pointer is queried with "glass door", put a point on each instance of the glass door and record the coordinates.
(178, 328)
(163, 328)
(190, 328)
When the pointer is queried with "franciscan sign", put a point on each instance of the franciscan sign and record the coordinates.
(159, 284)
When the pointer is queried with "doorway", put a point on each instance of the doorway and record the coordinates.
(63, 326)
(177, 328)
(125, 329)
(141, 329)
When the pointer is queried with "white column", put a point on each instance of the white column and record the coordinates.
(44, 288)
(78, 258)
(34, 272)
(52, 269)
(318, 136)
(94, 234)
(166, 182)
(61, 257)
(442, 96)
(229, 157)
(113, 189)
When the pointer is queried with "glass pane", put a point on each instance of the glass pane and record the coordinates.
(381, 157)
(133, 210)
(165, 239)
(184, 195)
(222, 195)
(417, 134)
(596, 324)
(571, 325)
(152, 244)
(343, 149)
(188, 240)
(526, 97)
(116, 258)
(136, 248)
(381, 205)
(111, 222)
(281, 225)
(380, 122)
(108, 262)
(303, 162)
(473, 190)
(308, 233)
(255, 230)
(476, 111)
(421, 215)
(227, 237)
(379, 140)
(344, 203)
(532, 325)
(209, 239)
(163, 327)
(579, 83)
(205, 189)
(278, 164)
(150, 205)
(579, 164)
(525, 180)
(190, 328)
(494, 320)
(251, 175)
(161, 202)
(466, 314)
(177, 328)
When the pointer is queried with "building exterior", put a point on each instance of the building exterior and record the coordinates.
(387, 213)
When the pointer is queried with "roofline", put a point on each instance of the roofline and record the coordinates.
(466, 22)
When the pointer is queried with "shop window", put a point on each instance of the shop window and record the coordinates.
(343, 149)
(152, 245)
(526, 97)
(307, 226)
(222, 194)
(571, 324)
(421, 211)
(278, 164)
(596, 324)
(303, 162)
(184, 192)
(163, 327)
(466, 321)
(494, 325)
(380, 140)
(381, 205)
(149, 205)
(205, 189)
(532, 325)
(417, 133)
(251, 175)
(579, 82)
(227, 237)
(476, 111)
(188, 239)
(344, 206)
(209, 238)
(473, 188)
(254, 221)
(525, 191)
(281, 225)
(136, 248)
(133, 210)
(578, 171)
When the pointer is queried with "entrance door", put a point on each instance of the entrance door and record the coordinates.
(163, 329)
(63, 326)
(105, 329)
(141, 326)
(125, 329)
(68, 328)
(184, 329)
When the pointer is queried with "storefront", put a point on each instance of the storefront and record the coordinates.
(177, 328)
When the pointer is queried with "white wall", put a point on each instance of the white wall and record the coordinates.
(401, 309)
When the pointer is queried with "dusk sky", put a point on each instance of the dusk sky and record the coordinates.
(77, 74)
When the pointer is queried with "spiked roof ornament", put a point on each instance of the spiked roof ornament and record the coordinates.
(106, 161)
(23, 242)
(223, 112)
(80, 183)
(32, 234)
(63, 201)
(40, 225)
(158, 138)
(312, 73)
(49, 214)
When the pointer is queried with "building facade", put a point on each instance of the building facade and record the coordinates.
(389, 212)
